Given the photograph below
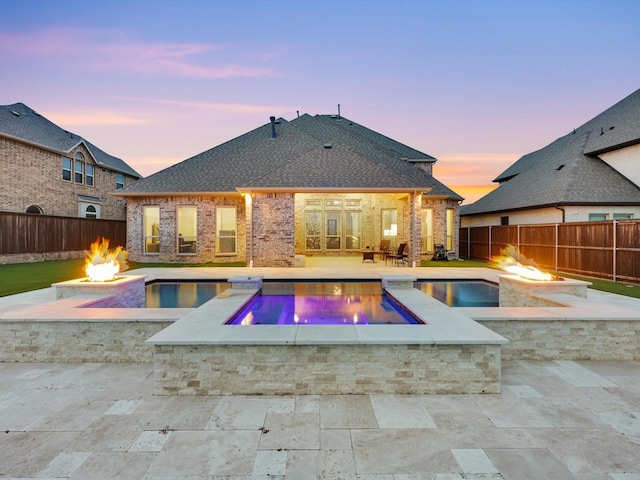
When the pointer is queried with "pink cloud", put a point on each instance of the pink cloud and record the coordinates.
(110, 50)
(239, 108)
(95, 118)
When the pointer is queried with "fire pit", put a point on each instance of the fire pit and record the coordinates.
(526, 285)
(102, 266)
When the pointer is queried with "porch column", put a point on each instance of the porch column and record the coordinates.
(415, 239)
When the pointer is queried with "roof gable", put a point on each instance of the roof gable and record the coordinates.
(296, 158)
(567, 172)
(20, 121)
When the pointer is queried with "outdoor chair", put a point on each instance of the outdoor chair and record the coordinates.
(440, 253)
(398, 256)
(383, 248)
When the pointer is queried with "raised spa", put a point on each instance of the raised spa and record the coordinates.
(322, 303)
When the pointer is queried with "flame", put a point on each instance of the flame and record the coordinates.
(103, 264)
(507, 261)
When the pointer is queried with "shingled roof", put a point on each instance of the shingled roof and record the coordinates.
(568, 171)
(306, 154)
(21, 122)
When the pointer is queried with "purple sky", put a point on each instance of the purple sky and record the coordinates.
(477, 84)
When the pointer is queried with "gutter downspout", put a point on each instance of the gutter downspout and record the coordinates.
(562, 210)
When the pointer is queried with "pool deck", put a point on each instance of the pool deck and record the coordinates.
(553, 420)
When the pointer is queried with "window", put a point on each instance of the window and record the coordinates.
(34, 209)
(450, 226)
(353, 230)
(333, 231)
(622, 216)
(597, 217)
(226, 230)
(89, 173)
(390, 226)
(119, 180)
(151, 226)
(504, 220)
(78, 171)
(66, 169)
(91, 212)
(426, 230)
(187, 229)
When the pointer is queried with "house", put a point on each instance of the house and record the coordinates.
(590, 174)
(315, 185)
(47, 170)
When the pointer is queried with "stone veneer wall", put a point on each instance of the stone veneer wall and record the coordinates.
(326, 369)
(206, 251)
(36, 179)
(117, 341)
(568, 339)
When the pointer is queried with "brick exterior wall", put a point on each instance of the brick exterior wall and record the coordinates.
(206, 221)
(273, 228)
(33, 176)
(275, 223)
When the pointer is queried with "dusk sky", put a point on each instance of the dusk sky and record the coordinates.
(476, 84)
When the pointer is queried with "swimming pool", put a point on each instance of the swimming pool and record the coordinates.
(182, 294)
(461, 293)
(322, 303)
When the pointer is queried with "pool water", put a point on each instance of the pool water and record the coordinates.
(461, 293)
(182, 294)
(322, 303)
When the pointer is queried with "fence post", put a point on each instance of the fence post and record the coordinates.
(468, 242)
(518, 237)
(615, 249)
(489, 242)
(556, 249)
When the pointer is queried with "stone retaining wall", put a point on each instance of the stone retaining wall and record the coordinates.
(78, 341)
(556, 339)
(326, 369)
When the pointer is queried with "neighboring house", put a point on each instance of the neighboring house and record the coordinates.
(320, 185)
(591, 174)
(47, 170)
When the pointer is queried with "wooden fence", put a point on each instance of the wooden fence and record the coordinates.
(609, 250)
(22, 233)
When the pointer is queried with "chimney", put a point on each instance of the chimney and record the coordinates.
(273, 127)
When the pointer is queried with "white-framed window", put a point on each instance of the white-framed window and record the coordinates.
(119, 180)
(187, 229)
(390, 226)
(89, 175)
(226, 230)
(598, 217)
(78, 170)
(622, 216)
(66, 169)
(151, 227)
(451, 223)
(90, 212)
(426, 230)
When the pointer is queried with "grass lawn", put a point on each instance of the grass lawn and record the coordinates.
(24, 277)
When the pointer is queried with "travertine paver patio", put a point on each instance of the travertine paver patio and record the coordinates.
(553, 420)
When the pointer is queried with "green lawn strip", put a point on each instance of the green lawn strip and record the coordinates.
(25, 277)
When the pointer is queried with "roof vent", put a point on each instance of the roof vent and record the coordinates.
(15, 113)
(327, 145)
(273, 127)
(560, 167)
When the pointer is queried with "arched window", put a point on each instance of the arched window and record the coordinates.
(91, 212)
(34, 209)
